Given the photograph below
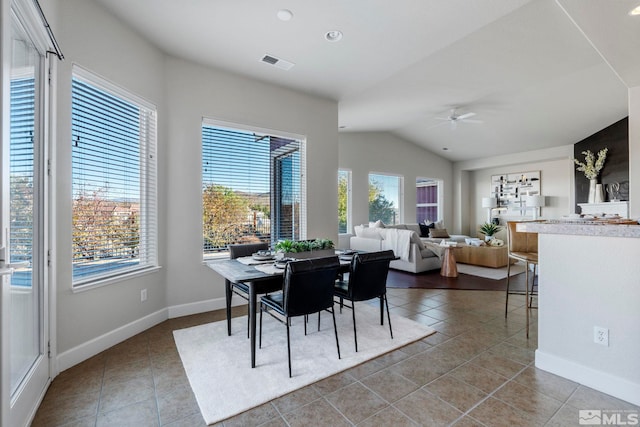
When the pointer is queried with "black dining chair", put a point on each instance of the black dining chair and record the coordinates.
(242, 289)
(307, 288)
(367, 280)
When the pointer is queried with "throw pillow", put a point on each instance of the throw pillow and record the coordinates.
(439, 233)
(377, 224)
(424, 230)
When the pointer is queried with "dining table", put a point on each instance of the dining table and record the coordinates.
(255, 274)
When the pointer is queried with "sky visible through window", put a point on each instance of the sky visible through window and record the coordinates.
(250, 166)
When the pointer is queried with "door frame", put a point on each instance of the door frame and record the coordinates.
(22, 409)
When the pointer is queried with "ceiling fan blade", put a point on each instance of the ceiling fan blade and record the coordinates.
(465, 116)
(473, 121)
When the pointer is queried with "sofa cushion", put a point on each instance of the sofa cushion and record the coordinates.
(370, 233)
(413, 227)
(437, 233)
(427, 253)
(415, 238)
(397, 226)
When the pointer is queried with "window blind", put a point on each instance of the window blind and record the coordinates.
(22, 174)
(252, 187)
(114, 181)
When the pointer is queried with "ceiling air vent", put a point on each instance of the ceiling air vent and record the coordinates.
(277, 62)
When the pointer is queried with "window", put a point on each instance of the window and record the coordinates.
(252, 187)
(427, 199)
(385, 198)
(344, 200)
(114, 180)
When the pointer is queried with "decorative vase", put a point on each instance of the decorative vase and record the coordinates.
(488, 238)
(592, 190)
(599, 198)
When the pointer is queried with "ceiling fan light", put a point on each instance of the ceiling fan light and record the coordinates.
(635, 11)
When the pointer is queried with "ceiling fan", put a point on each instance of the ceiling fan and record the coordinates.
(455, 117)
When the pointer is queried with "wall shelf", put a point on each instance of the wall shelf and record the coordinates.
(609, 208)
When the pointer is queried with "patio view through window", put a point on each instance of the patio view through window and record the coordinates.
(113, 144)
(251, 188)
(385, 194)
(427, 205)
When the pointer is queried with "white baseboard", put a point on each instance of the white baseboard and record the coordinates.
(202, 306)
(598, 380)
(90, 348)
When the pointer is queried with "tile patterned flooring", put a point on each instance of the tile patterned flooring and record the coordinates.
(477, 370)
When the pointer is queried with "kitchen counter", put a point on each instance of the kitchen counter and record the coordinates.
(582, 228)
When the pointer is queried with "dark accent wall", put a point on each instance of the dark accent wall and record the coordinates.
(616, 167)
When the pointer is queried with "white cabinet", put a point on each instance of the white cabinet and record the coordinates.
(610, 208)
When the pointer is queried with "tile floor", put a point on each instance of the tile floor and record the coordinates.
(477, 370)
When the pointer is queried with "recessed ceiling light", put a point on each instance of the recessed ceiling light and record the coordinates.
(635, 12)
(333, 36)
(285, 15)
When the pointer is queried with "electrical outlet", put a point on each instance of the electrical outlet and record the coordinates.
(601, 336)
(143, 295)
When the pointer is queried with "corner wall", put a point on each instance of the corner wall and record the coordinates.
(365, 152)
(194, 92)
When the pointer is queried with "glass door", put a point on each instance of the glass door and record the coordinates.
(24, 300)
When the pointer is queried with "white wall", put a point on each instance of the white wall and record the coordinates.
(557, 182)
(363, 153)
(194, 92)
(100, 43)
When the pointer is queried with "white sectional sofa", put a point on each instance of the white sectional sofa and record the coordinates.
(417, 259)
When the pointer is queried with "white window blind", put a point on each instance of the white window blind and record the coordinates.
(114, 181)
(252, 187)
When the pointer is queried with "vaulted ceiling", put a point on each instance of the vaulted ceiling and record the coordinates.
(527, 74)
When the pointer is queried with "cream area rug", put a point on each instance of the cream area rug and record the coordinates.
(218, 365)
(488, 272)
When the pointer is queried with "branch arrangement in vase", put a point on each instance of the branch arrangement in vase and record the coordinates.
(592, 166)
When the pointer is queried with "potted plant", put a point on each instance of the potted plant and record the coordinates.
(489, 229)
(305, 248)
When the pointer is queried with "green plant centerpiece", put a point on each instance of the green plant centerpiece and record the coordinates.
(489, 229)
(288, 247)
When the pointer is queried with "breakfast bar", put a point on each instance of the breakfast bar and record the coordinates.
(589, 303)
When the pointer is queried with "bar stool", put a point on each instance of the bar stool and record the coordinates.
(522, 246)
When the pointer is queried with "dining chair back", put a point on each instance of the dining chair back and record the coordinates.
(307, 289)
(243, 289)
(367, 280)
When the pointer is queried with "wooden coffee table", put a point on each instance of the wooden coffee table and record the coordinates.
(485, 256)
